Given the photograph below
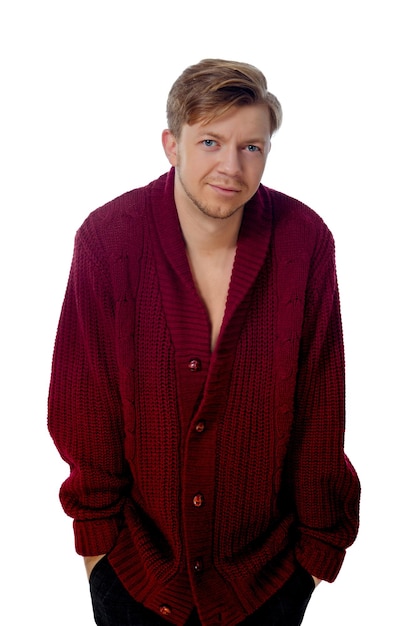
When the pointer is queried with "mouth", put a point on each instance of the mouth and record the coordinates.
(225, 189)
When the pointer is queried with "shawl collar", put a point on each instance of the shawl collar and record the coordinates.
(186, 313)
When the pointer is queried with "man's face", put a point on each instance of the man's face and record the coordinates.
(219, 165)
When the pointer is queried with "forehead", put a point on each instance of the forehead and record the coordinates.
(247, 120)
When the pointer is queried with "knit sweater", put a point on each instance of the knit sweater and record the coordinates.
(206, 476)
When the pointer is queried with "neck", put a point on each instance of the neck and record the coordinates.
(207, 235)
(209, 239)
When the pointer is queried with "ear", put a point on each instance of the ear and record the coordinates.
(170, 145)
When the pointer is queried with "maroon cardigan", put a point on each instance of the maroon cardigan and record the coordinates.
(205, 476)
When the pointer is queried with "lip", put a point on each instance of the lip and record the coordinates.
(230, 191)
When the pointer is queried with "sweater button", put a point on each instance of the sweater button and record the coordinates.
(198, 500)
(198, 565)
(200, 427)
(194, 365)
(164, 609)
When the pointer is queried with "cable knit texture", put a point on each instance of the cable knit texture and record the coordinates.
(205, 476)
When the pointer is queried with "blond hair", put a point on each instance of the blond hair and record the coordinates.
(210, 88)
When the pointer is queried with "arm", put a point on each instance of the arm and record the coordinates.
(90, 562)
(325, 485)
(84, 412)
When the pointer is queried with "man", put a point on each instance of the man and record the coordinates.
(197, 388)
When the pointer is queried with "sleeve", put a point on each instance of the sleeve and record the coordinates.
(325, 485)
(84, 408)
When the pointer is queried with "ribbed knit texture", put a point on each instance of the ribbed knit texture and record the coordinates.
(267, 455)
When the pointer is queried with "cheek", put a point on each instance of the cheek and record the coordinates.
(254, 176)
(192, 168)
(258, 173)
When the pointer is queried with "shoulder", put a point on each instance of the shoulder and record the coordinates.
(120, 222)
(123, 210)
(288, 209)
(294, 220)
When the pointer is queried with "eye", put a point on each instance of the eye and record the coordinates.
(209, 143)
(252, 148)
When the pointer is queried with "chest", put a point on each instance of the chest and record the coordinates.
(212, 280)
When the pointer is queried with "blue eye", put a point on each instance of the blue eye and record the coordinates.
(209, 143)
(253, 148)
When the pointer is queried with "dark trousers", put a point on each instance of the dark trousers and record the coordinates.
(113, 605)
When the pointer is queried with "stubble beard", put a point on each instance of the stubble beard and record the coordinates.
(206, 209)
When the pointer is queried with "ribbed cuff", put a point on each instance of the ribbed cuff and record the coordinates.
(319, 559)
(95, 537)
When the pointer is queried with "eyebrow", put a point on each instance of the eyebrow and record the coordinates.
(221, 137)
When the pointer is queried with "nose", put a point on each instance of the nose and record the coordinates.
(230, 161)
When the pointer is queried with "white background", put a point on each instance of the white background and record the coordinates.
(83, 91)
